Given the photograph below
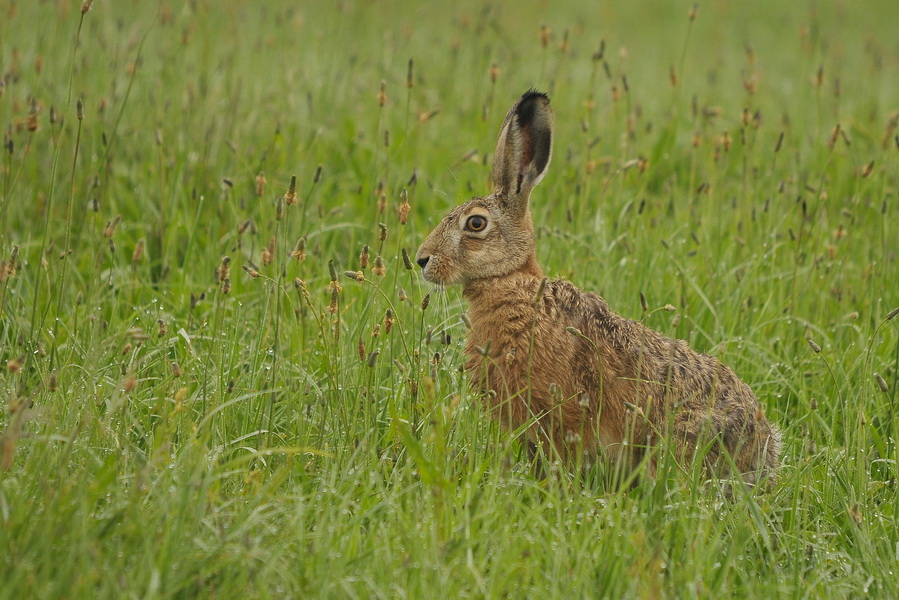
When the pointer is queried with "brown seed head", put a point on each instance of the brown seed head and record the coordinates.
(260, 183)
(138, 250)
(335, 299)
(404, 207)
(494, 73)
(814, 346)
(109, 230)
(224, 270)
(250, 271)
(389, 320)
(299, 251)
(382, 95)
(14, 365)
(268, 253)
(379, 268)
(86, 6)
(363, 257)
(291, 196)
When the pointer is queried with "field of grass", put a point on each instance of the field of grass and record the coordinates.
(197, 402)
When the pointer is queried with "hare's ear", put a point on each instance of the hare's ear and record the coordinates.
(523, 150)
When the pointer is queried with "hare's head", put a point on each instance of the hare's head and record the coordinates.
(493, 235)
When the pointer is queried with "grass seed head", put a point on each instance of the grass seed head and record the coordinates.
(138, 250)
(332, 271)
(334, 302)
(260, 184)
(409, 79)
(14, 365)
(379, 268)
(364, 256)
(382, 232)
(881, 383)
(426, 301)
(404, 207)
(672, 77)
(355, 275)
(407, 262)
(109, 230)
(814, 346)
(389, 321)
(291, 196)
(224, 269)
(268, 253)
(250, 271)
(382, 95)
(299, 250)
(373, 358)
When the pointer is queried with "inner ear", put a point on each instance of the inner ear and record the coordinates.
(524, 148)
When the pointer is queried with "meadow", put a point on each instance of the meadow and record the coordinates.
(199, 401)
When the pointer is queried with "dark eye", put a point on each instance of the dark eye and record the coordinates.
(476, 223)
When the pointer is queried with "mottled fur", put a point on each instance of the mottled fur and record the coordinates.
(558, 360)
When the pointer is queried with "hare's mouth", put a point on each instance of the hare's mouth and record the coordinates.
(434, 274)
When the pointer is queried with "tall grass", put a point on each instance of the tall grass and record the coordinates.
(222, 381)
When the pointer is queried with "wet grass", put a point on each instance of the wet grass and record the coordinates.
(197, 401)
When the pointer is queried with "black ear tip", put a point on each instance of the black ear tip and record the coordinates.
(529, 104)
(532, 94)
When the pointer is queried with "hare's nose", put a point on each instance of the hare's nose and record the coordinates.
(423, 261)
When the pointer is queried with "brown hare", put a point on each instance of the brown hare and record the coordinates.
(583, 381)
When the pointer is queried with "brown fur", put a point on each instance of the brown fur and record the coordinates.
(557, 360)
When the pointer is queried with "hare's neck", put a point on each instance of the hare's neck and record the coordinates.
(490, 290)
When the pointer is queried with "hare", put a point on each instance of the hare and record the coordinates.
(582, 381)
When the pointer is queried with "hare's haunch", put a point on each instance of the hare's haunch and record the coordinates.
(558, 360)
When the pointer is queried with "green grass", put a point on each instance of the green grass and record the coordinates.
(160, 437)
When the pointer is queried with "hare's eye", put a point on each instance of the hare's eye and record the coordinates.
(476, 223)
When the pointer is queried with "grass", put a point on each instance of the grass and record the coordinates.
(176, 424)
